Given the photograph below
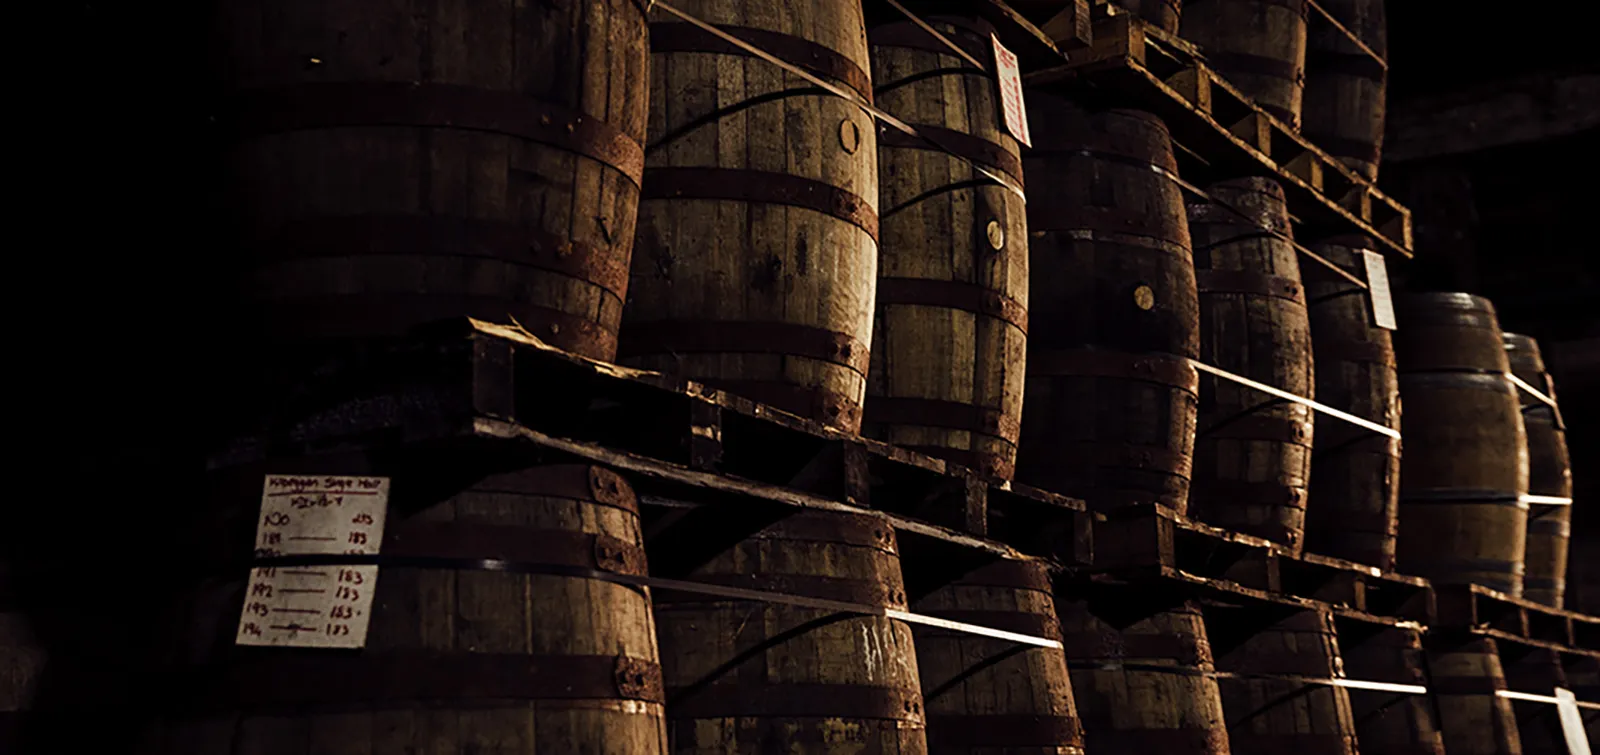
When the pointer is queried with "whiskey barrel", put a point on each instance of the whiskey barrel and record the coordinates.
(470, 160)
(1143, 683)
(541, 657)
(1269, 716)
(1464, 677)
(753, 676)
(987, 695)
(1538, 671)
(1465, 468)
(950, 336)
(1549, 474)
(1390, 723)
(1259, 46)
(1346, 88)
(22, 660)
(1111, 394)
(1356, 512)
(1162, 14)
(758, 227)
(1252, 458)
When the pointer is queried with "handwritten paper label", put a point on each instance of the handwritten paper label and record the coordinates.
(1011, 105)
(314, 606)
(1378, 289)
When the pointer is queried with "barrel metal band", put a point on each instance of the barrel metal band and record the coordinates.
(846, 701)
(742, 337)
(741, 185)
(1259, 427)
(1004, 730)
(1259, 65)
(1247, 282)
(998, 465)
(1159, 740)
(973, 149)
(919, 35)
(843, 590)
(1163, 369)
(1228, 494)
(968, 297)
(834, 527)
(432, 235)
(524, 544)
(407, 104)
(668, 37)
(1085, 453)
(1119, 238)
(1561, 527)
(954, 415)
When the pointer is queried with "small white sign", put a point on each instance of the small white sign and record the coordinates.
(1571, 718)
(1378, 290)
(314, 606)
(1011, 105)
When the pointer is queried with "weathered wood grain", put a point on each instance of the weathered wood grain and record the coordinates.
(994, 697)
(1346, 89)
(757, 239)
(1257, 45)
(1549, 474)
(1277, 716)
(950, 335)
(1111, 399)
(1252, 451)
(396, 165)
(1464, 673)
(1465, 465)
(1155, 704)
(1387, 724)
(1353, 512)
(746, 676)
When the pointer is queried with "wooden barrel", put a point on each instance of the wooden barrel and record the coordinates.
(1276, 716)
(950, 336)
(540, 658)
(464, 160)
(1162, 14)
(1464, 675)
(1549, 474)
(1539, 672)
(1345, 87)
(1356, 512)
(1252, 458)
(988, 696)
(1142, 682)
(1465, 468)
(758, 226)
(1259, 46)
(22, 659)
(752, 676)
(1390, 723)
(1111, 393)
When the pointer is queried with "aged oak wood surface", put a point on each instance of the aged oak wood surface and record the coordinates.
(456, 660)
(950, 336)
(1353, 512)
(1549, 474)
(1259, 46)
(995, 697)
(1465, 465)
(1464, 673)
(396, 165)
(1139, 679)
(757, 245)
(1111, 399)
(1345, 90)
(1252, 451)
(1389, 723)
(1538, 671)
(1277, 716)
(745, 676)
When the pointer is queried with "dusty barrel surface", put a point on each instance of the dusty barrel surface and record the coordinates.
(1345, 98)
(1356, 512)
(1162, 14)
(1259, 46)
(1111, 395)
(950, 335)
(989, 696)
(1390, 723)
(1252, 459)
(1465, 467)
(1549, 475)
(526, 662)
(1141, 681)
(748, 676)
(472, 161)
(1276, 716)
(757, 246)
(1464, 676)
(1538, 672)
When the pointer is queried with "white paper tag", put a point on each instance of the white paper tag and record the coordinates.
(1378, 290)
(1011, 105)
(314, 606)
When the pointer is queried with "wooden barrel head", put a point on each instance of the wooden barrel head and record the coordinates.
(1271, 716)
(1259, 46)
(1110, 395)
(1345, 97)
(1464, 675)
